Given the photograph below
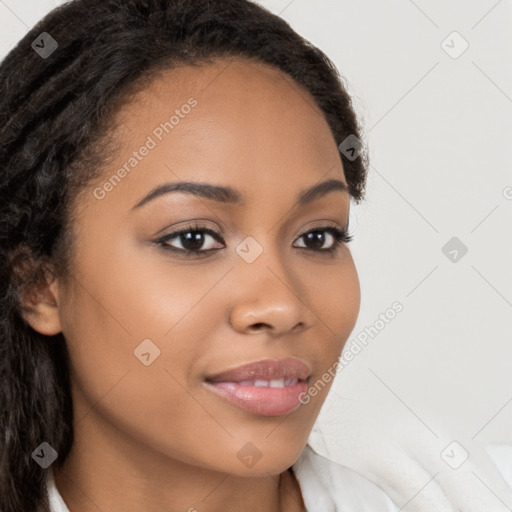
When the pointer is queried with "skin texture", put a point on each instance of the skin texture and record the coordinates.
(153, 438)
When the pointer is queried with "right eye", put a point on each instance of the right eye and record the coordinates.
(192, 239)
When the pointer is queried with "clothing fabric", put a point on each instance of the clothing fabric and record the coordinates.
(328, 486)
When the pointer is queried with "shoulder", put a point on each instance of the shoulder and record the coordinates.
(328, 486)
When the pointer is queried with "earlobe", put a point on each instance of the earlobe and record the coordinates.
(41, 309)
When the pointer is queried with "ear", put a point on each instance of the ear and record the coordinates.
(41, 308)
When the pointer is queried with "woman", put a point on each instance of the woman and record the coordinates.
(176, 281)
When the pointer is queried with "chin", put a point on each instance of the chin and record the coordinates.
(265, 458)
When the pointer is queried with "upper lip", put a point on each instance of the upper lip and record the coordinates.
(265, 369)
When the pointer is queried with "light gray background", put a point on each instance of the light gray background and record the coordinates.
(439, 132)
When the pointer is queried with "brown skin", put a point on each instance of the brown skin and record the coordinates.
(153, 438)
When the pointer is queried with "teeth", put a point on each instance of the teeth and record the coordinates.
(274, 383)
(277, 383)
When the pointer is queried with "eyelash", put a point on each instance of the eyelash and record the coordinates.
(339, 235)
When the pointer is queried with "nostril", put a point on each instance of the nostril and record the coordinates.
(258, 325)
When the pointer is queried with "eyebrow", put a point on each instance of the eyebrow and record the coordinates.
(230, 195)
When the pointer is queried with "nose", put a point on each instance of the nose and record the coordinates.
(268, 298)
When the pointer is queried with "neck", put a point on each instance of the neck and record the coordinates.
(106, 471)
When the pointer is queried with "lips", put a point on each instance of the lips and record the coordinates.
(265, 370)
(267, 388)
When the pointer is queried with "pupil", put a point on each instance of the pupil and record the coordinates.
(317, 239)
(193, 240)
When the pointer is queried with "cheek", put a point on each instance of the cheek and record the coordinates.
(123, 307)
(335, 300)
(335, 297)
(347, 288)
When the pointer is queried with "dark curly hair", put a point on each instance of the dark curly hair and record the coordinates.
(56, 112)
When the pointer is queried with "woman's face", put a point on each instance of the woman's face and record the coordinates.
(146, 324)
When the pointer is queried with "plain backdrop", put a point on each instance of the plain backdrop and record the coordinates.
(432, 83)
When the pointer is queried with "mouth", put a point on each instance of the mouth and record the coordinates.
(267, 388)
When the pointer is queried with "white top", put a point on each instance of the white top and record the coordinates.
(328, 486)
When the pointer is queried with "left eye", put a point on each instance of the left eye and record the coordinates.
(317, 238)
(192, 240)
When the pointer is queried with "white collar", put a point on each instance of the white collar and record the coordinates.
(56, 502)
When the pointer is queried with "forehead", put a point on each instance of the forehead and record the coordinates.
(231, 121)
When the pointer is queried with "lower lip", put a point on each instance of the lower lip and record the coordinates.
(265, 401)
